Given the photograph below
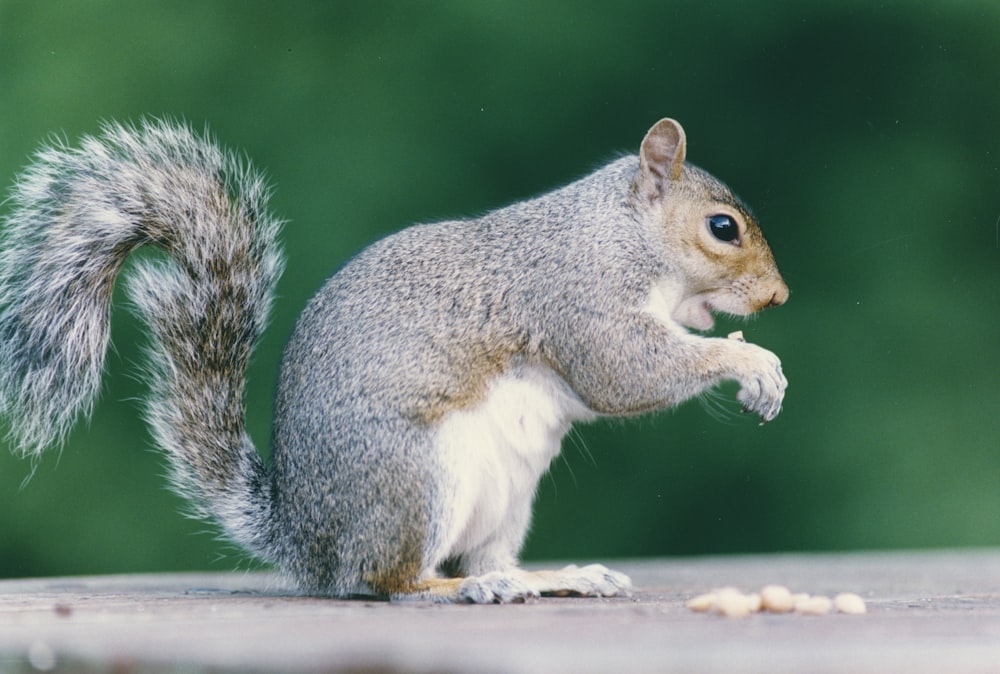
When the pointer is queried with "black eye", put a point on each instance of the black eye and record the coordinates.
(724, 228)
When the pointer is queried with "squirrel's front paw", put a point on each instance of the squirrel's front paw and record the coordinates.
(762, 382)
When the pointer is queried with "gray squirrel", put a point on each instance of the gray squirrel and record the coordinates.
(427, 385)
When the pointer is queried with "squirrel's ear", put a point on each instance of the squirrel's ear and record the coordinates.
(661, 156)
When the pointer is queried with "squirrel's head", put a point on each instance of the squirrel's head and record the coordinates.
(714, 251)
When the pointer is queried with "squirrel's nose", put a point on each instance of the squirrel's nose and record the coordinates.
(779, 297)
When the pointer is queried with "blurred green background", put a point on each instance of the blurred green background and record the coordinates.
(865, 135)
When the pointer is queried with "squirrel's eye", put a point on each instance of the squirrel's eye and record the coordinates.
(724, 228)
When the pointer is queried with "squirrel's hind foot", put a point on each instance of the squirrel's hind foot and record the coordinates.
(513, 586)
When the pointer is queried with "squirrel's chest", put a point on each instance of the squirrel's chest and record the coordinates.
(494, 453)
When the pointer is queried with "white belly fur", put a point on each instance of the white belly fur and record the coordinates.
(496, 452)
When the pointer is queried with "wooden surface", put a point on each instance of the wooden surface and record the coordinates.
(927, 612)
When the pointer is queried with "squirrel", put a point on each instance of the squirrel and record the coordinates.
(426, 386)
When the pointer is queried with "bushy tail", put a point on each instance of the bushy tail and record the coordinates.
(76, 215)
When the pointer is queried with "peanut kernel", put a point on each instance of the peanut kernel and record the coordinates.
(850, 603)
